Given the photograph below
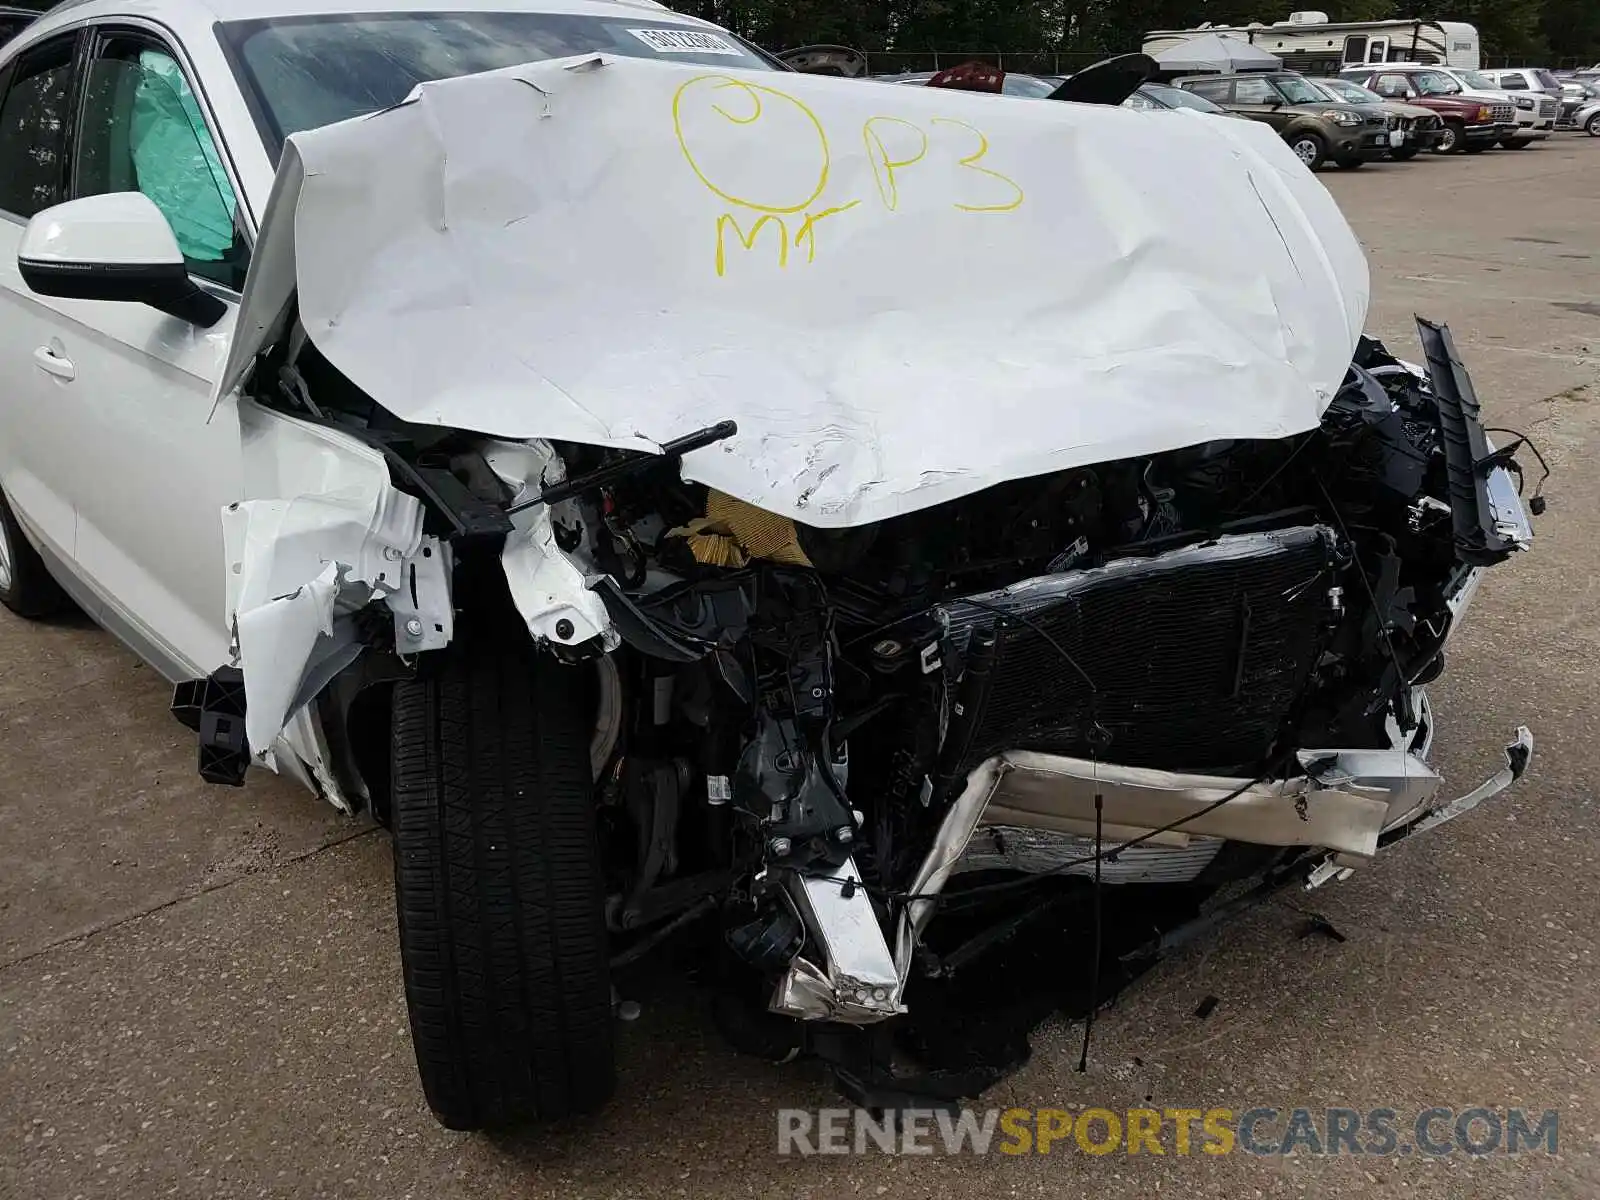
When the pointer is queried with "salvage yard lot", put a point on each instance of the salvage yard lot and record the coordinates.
(200, 988)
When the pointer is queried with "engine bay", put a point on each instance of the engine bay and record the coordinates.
(800, 734)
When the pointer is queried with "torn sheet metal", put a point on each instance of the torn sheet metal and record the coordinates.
(299, 566)
(1519, 753)
(857, 982)
(1342, 799)
(901, 295)
(424, 610)
(547, 586)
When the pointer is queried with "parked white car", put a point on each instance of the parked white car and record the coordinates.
(1536, 116)
(663, 490)
(1534, 90)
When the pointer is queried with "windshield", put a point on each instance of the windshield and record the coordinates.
(1172, 97)
(1350, 93)
(303, 72)
(1432, 83)
(1299, 91)
(1477, 79)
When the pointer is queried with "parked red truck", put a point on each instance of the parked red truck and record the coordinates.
(1470, 124)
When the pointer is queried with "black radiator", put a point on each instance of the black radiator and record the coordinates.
(1196, 656)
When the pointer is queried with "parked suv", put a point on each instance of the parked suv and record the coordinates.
(1470, 124)
(1536, 93)
(1316, 128)
(1420, 126)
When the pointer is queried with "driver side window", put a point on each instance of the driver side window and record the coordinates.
(142, 130)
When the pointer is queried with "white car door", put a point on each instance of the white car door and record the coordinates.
(39, 439)
(155, 466)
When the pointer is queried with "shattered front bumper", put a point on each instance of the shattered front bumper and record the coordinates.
(1352, 803)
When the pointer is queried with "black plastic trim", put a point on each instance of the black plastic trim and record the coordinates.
(163, 286)
(1466, 451)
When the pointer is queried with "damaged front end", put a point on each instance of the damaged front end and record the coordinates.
(1188, 668)
(1194, 666)
(870, 697)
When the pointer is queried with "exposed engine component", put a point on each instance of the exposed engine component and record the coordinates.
(870, 750)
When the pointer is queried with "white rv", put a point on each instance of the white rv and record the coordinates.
(1311, 43)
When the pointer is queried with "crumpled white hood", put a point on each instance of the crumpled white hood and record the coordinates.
(941, 290)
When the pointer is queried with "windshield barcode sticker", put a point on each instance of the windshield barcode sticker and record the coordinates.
(685, 41)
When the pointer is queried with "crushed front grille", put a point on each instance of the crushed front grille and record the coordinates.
(1196, 656)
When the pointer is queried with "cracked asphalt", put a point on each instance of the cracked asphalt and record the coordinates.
(200, 991)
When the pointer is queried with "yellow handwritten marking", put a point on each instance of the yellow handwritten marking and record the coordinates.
(754, 93)
(749, 242)
(884, 167)
(971, 163)
(808, 231)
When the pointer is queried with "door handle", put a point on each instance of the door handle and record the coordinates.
(52, 363)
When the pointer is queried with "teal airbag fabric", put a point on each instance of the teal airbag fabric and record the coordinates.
(176, 161)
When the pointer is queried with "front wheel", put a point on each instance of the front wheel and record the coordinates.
(1350, 164)
(26, 587)
(1404, 154)
(1474, 147)
(1450, 141)
(1592, 125)
(1513, 144)
(1309, 149)
(498, 884)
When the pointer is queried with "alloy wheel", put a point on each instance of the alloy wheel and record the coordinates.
(1306, 151)
(5, 558)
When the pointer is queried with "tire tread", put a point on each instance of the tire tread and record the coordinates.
(498, 888)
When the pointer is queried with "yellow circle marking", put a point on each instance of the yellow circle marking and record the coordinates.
(754, 93)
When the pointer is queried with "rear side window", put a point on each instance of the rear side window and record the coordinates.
(1211, 89)
(1253, 91)
(1512, 81)
(34, 117)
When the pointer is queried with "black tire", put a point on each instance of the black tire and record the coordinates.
(1451, 139)
(1513, 144)
(1350, 164)
(1309, 148)
(1404, 154)
(1474, 147)
(1592, 126)
(498, 885)
(26, 587)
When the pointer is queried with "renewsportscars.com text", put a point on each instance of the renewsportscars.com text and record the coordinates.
(1382, 1132)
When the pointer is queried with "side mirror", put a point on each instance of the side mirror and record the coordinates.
(116, 246)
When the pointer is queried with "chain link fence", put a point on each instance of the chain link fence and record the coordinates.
(1065, 62)
(1028, 62)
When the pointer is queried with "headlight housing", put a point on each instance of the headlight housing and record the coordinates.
(1485, 113)
(1524, 101)
(1342, 116)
